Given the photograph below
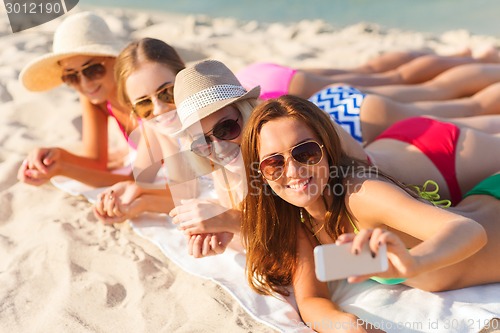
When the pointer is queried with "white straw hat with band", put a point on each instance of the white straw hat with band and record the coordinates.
(80, 34)
(206, 87)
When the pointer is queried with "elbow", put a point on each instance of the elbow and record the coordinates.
(477, 234)
(320, 313)
(102, 164)
(483, 236)
(95, 161)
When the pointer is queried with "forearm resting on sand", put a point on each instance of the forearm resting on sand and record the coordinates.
(44, 163)
(87, 171)
(127, 199)
(157, 203)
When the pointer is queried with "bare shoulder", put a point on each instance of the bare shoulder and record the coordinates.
(371, 187)
(374, 199)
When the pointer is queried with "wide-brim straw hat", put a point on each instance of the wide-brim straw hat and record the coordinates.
(80, 34)
(206, 87)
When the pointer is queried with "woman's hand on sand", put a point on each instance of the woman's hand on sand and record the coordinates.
(118, 203)
(198, 216)
(401, 262)
(40, 165)
(205, 245)
(126, 212)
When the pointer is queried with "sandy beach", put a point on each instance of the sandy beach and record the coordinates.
(63, 271)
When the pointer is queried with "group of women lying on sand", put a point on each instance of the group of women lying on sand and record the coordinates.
(401, 152)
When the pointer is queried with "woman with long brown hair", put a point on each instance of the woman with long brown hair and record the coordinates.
(305, 190)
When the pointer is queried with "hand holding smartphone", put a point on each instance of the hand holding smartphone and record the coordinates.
(335, 262)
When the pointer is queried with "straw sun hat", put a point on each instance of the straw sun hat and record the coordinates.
(80, 34)
(205, 88)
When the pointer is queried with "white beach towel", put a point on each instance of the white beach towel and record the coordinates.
(391, 308)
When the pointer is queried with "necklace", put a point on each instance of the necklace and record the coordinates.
(310, 227)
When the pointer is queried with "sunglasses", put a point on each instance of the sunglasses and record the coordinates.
(228, 129)
(90, 71)
(307, 153)
(144, 107)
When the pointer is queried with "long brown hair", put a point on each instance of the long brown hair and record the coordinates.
(139, 52)
(269, 223)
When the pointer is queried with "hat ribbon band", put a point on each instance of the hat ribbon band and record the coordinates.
(206, 97)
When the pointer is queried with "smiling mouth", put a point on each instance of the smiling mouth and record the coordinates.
(166, 118)
(299, 185)
(93, 92)
(227, 159)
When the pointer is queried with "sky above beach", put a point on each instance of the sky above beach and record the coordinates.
(434, 16)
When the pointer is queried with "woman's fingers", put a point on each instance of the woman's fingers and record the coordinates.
(106, 219)
(118, 210)
(109, 203)
(48, 158)
(360, 240)
(217, 245)
(37, 162)
(345, 238)
(33, 177)
(191, 240)
(180, 218)
(99, 205)
(371, 237)
(197, 246)
(180, 209)
(21, 172)
(206, 245)
(376, 240)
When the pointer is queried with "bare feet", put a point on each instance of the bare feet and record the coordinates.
(390, 60)
(489, 99)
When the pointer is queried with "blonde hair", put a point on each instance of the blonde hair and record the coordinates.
(142, 51)
(246, 108)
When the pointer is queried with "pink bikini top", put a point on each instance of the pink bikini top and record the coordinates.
(122, 129)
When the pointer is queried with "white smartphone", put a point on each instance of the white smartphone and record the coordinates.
(335, 262)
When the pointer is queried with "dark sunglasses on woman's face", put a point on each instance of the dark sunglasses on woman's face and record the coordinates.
(144, 107)
(307, 153)
(228, 129)
(90, 71)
